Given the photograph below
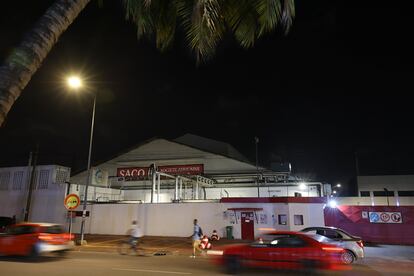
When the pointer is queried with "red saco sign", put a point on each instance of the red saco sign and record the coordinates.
(136, 173)
(194, 169)
(132, 172)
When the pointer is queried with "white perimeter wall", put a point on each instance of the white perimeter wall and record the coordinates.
(171, 219)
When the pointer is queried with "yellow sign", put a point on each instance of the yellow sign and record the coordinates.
(72, 201)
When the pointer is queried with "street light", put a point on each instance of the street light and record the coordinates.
(74, 82)
(256, 141)
(338, 185)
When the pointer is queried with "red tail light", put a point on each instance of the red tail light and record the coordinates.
(361, 244)
(69, 236)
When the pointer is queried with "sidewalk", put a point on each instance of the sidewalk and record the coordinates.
(151, 244)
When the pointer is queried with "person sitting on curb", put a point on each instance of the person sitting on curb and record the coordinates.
(215, 236)
(205, 243)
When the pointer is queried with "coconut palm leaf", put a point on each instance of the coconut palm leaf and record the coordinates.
(205, 22)
(138, 11)
(269, 15)
(288, 14)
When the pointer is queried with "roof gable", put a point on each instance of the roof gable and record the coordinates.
(159, 150)
(211, 145)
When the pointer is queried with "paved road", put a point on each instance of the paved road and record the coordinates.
(106, 263)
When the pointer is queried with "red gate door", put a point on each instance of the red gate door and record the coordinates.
(247, 225)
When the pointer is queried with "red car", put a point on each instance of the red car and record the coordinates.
(34, 239)
(282, 250)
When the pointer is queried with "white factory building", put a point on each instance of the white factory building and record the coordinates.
(188, 168)
(170, 182)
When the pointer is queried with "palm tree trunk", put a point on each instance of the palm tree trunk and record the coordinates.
(20, 66)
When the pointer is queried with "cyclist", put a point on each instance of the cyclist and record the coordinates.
(135, 234)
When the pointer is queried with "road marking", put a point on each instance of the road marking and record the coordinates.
(151, 271)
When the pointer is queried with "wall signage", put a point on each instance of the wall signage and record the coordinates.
(140, 173)
(385, 217)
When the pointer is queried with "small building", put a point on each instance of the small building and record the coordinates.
(49, 189)
(387, 189)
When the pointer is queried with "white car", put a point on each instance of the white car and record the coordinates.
(354, 245)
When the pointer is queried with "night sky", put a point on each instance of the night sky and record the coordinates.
(338, 85)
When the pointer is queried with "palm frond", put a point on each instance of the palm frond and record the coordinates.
(269, 14)
(288, 14)
(137, 12)
(203, 24)
(206, 21)
(164, 14)
(241, 19)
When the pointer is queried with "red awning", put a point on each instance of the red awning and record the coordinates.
(245, 209)
(273, 200)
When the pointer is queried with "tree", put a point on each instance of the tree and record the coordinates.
(204, 22)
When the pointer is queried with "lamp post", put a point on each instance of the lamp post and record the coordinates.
(386, 193)
(76, 83)
(256, 140)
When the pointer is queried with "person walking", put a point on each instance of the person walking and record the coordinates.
(197, 234)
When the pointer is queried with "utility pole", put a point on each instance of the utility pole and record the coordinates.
(33, 160)
(356, 170)
(356, 164)
(386, 193)
(85, 195)
(256, 140)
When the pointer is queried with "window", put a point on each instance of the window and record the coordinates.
(383, 193)
(4, 181)
(17, 181)
(282, 219)
(365, 193)
(287, 241)
(405, 193)
(61, 176)
(332, 234)
(43, 179)
(298, 219)
(22, 230)
(55, 229)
